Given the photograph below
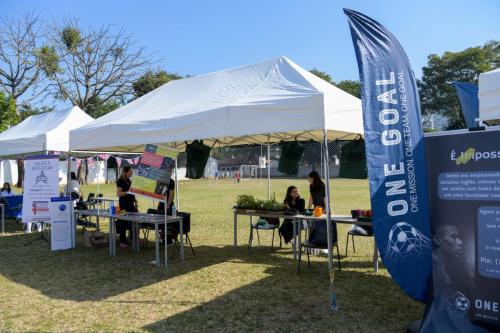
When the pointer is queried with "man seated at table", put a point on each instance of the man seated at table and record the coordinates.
(293, 202)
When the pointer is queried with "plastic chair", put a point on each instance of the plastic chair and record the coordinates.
(357, 230)
(317, 239)
(267, 226)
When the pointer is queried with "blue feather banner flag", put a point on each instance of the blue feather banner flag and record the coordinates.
(395, 155)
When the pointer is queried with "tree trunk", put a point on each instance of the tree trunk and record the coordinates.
(20, 173)
(82, 172)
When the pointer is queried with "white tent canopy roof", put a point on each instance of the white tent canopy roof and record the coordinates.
(44, 132)
(267, 102)
(489, 95)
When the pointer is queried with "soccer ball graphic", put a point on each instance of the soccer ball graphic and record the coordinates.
(455, 302)
(461, 302)
(404, 239)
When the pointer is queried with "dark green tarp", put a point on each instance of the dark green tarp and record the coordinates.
(197, 156)
(291, 153)
(353, 160)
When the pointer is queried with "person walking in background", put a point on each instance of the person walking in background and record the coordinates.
(237, 176)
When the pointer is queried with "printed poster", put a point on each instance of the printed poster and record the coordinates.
(464, 183)
(62, 230)
(154, 171)
(41, 182)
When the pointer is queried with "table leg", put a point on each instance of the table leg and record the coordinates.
(299, 234)
(375, 255)
(138, 236)
(165, 242)
(3, 219)
(157, 245)
(181, 230)
(235, 241)
(294, 247)
(97, 222)
(134, 236)
(111, 239)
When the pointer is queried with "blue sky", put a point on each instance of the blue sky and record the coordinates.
(195, 37)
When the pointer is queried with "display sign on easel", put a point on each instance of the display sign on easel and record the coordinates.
(154, 171)
(62, 231)
(41, 182)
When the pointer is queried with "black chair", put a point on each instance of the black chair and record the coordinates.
(357, 230)
(173, 229)
(317, 239)
(272, 224)
(83, 221)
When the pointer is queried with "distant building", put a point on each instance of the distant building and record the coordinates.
(436, 122)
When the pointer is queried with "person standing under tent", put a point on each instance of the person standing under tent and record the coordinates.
(317, 191)
(126, 201)
(169, 194)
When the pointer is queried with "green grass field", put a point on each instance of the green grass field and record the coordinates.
(218, 289)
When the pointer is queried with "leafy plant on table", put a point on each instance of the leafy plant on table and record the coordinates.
(249, 202)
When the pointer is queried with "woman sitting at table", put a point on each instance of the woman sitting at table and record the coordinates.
(317, 191)
(7, 191)
(127, 203)
(294, 202)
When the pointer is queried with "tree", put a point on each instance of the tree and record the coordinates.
(437, 93)
(91, 67)
(20, 73)
(28, 110)
(8, 114)
(350, 86)
(152, 80)
(324, 75)
(98, 109)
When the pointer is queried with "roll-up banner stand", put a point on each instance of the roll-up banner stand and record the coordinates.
(464, 197)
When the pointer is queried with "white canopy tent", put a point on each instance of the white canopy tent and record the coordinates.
(268, 102)
(489, 95)
(44, 132)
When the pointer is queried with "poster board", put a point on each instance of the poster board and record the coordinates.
(62, 230)
(154, 171)
(464, 196)
(41, 182)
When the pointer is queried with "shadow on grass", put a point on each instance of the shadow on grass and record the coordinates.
(286, 302)
(89, 274)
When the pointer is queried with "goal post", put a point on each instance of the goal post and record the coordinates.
(249, 171)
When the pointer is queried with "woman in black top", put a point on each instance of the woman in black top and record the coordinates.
(126, 201)
(317, 190)
(292, 201)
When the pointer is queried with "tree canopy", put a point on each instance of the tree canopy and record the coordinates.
(151, 80)
(350, 86)
(437, 93)
(8, 114)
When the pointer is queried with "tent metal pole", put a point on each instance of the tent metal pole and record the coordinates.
(98, 172)
(321, 162)
(268, 168)
(177, 194)
(68, 175)
(327, 203)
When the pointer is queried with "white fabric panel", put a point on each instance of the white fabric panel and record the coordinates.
(47, 131)
(234, 106)
(489, 95)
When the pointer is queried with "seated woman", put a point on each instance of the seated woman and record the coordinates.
(292, 201)
(7, 191)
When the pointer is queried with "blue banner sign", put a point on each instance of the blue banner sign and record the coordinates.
(469, 101)
(395, 154)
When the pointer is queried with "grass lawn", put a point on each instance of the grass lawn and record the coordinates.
(218, 289)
